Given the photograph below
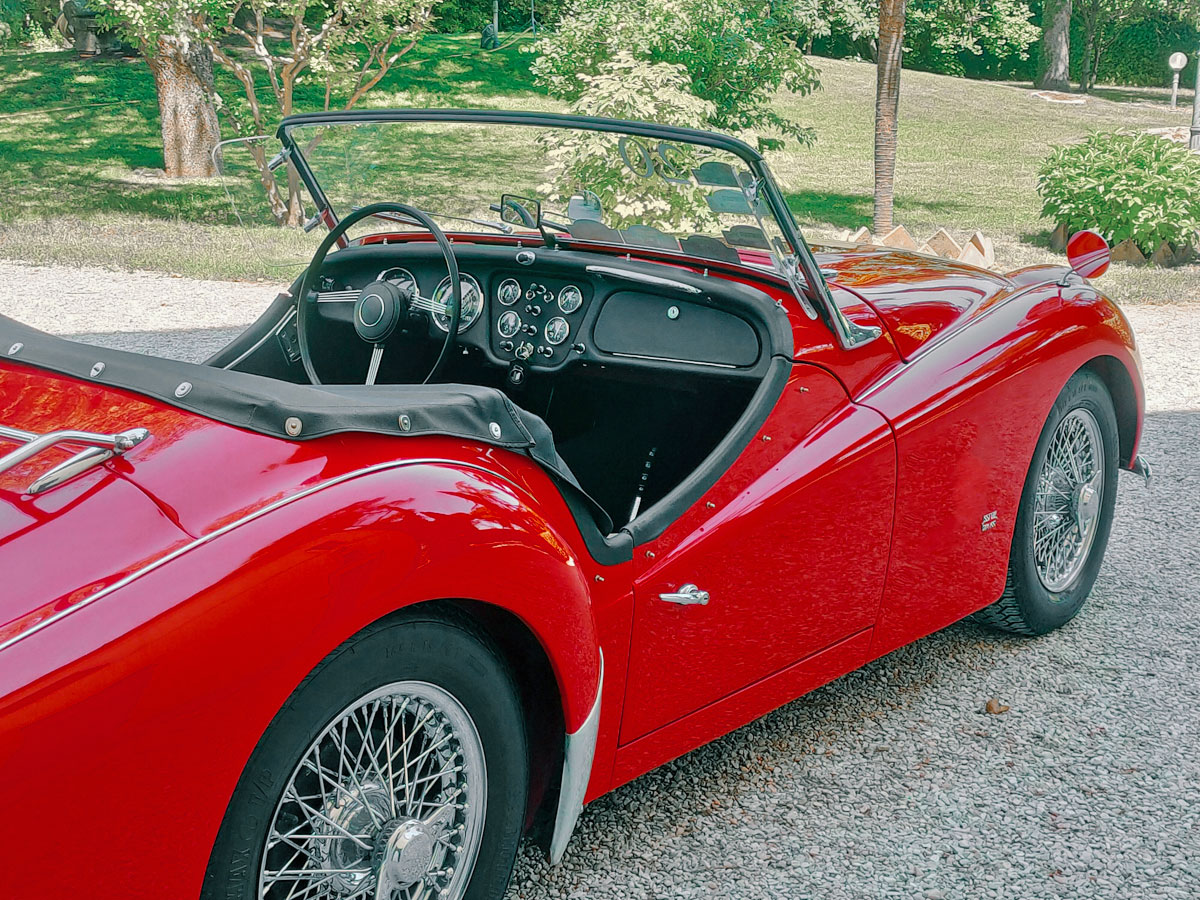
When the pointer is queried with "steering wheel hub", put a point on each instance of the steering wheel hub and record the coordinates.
(378, 311)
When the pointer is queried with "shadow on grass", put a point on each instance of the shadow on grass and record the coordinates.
(73, 130)
(856, 210)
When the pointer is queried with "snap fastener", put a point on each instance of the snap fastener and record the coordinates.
(405, 423)
(494, 428)
(293, 426)
(15, 348)
(184, 389)
(97, 369)
(673, 312)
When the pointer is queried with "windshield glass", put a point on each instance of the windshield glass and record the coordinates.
(581, 184)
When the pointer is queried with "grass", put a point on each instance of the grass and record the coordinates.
(73, 132)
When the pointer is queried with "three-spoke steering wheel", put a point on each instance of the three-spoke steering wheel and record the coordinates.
(381, 305)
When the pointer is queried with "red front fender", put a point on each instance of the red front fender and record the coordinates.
(159, 689)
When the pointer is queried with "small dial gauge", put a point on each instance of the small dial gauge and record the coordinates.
(570, 299)
(557, 331)
(401, 278)
(509, 291)
(472, 300)
(508, 324)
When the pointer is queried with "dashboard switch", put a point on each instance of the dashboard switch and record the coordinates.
(506, 346)
(524, 350)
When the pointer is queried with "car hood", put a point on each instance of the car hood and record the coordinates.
(917, 296)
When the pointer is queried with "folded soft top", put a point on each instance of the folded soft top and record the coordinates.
(268, 406)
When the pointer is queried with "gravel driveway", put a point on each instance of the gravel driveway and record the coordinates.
(893, 781)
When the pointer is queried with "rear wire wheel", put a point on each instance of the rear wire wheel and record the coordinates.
(398, 770)
(1065, 515)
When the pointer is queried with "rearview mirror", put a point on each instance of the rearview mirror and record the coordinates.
(521, 211)
(1088, 254)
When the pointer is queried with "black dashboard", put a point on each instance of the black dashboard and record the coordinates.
(542, 310)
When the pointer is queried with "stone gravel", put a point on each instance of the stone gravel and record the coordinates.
(893, 781)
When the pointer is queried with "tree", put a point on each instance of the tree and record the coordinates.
(169, 35)
(1102, 21)
(348, 45)
(892, 14)
(736, 55)
(1054, 68)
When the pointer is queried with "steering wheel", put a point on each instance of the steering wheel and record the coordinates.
(381, 305)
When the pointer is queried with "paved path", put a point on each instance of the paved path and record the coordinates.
(893, 781)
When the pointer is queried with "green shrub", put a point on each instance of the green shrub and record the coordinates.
(1127, 187)
(736, 55)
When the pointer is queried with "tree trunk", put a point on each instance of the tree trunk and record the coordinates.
(1055, 68)
(183, 78)
(1088, 75)
(887, 106)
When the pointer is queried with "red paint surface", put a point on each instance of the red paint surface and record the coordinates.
(853, 530)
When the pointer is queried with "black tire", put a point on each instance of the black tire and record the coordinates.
(1026, 606)
(448, 651)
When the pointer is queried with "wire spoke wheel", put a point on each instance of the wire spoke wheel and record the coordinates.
(1069, 499)
(388, 803)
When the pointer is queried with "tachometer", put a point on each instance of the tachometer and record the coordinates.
(557, 331)
(570, 299)
(472, 300)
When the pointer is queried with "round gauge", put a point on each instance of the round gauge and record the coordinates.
(570, 299)
(509, 291)
(508, 324)
(472, 300)
(557, 331)
(401, 278)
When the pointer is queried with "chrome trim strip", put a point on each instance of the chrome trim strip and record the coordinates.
(225, 529)
(338, 296)
(578, 755)
(1141, 467)
(690, 362)
(641, 277)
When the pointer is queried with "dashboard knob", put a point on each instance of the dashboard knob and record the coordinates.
(524, 350)
(546, 351)
(533, 310)
(506, 346)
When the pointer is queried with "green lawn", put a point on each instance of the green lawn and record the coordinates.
(72, 132)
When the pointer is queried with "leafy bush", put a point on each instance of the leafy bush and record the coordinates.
(1128, 187)
(735, 55)
(1139, 51)
(952, 37)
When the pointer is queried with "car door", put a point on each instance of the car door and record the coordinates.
(790, 545)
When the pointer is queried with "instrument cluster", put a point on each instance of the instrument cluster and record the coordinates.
(535, 320)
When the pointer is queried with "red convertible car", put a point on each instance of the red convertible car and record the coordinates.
(474, 525)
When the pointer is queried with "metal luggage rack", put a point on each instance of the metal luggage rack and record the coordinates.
(99, 449)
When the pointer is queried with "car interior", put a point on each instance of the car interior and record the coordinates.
(640, 370)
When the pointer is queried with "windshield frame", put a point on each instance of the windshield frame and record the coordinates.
(801, 260)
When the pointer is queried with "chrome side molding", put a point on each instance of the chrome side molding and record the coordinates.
(578, 755)
(99, 448)
(1142, 468)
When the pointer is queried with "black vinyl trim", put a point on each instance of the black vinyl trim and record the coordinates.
(264, 405)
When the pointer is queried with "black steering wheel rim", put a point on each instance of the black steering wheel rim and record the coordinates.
(307, 295)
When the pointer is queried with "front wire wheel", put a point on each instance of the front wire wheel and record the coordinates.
(397, 770)
(388, 802)
(1065, 513)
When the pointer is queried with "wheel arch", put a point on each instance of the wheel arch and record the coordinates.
(1119, 383)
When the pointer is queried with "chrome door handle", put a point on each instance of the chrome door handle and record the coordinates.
(688, 595)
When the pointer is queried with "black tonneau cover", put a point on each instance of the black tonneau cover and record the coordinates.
(265, 405)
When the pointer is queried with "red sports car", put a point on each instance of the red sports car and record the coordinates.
(470, 528)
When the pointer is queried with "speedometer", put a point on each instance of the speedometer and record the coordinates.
(472, 303)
